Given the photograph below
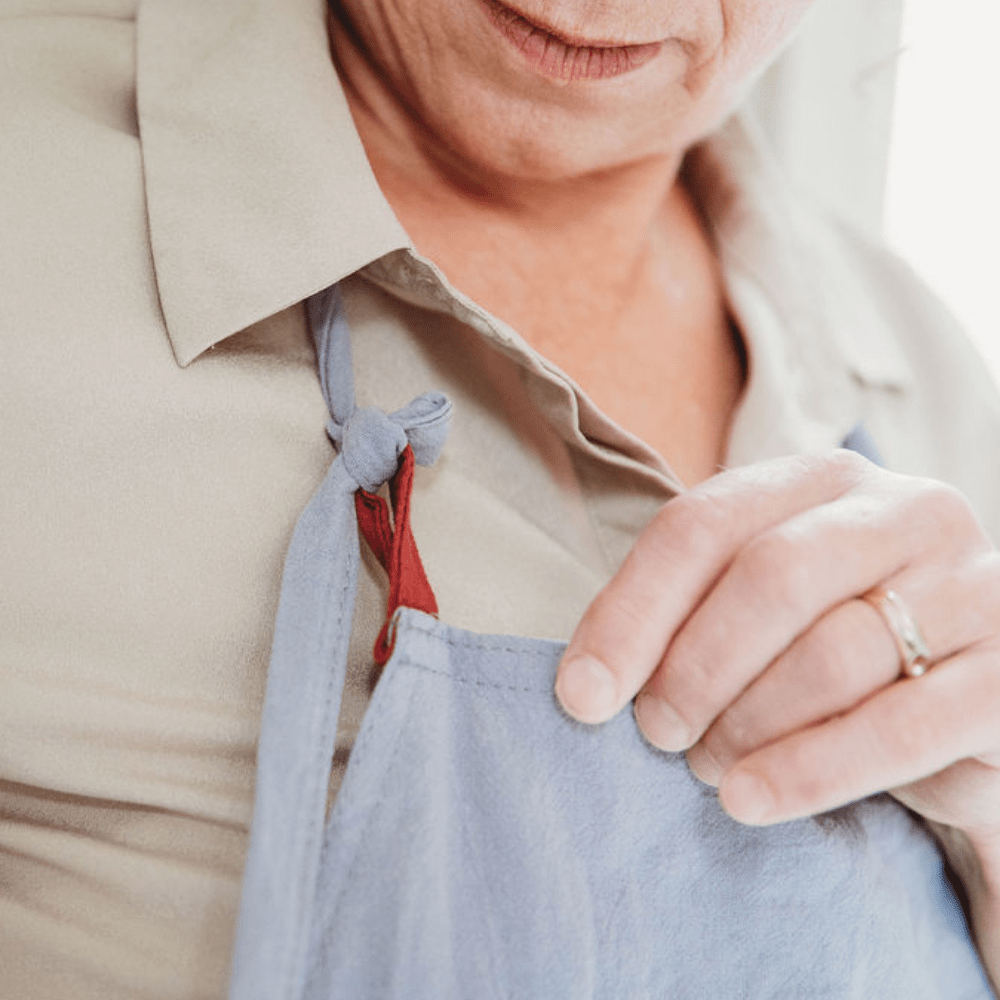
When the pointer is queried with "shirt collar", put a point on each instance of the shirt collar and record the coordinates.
(258, 189)
(798, 286)
(259, 194)
(775, 235)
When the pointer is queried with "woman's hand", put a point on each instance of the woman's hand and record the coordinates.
(736, 620)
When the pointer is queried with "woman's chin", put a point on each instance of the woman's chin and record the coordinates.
(546, 144)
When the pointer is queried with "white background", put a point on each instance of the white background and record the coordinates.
(942, 208)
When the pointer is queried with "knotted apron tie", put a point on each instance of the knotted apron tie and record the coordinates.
(378, 447)
(310, 646)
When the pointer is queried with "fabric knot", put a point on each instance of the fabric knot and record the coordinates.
(371, 445)
(371, 441)
(426, 421)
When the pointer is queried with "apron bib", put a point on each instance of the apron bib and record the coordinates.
(484, 845)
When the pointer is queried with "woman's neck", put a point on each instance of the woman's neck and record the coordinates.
(465, 214)
(610, 275)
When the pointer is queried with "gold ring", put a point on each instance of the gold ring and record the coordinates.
(914, 655)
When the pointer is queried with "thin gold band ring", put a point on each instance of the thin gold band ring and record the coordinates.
(914, 654)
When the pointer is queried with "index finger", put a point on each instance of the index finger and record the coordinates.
(627, 628)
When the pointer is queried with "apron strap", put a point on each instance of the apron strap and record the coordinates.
(377, 448)
(863, 443)
(309, 652)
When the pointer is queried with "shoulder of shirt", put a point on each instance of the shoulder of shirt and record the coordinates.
(254, 185)
(946, 423)
(924, 393)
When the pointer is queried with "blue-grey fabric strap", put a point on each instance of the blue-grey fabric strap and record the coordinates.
(308, 664)
(860, 441)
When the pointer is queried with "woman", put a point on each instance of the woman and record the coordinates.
(673, 314)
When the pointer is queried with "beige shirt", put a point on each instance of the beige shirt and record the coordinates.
(173, 183)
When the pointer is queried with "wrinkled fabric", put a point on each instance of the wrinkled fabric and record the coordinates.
(485, 845)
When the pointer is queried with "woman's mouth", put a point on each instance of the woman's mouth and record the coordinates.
(565, 58)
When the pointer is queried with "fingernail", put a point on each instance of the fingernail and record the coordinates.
(660, 724)
(703, 765)
(587, 689)
(747, 798)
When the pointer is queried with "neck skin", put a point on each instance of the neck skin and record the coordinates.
(610, 275)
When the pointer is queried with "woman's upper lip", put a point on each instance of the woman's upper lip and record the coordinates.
(568, 38)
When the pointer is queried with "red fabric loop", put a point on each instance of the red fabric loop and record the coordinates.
(396, 549)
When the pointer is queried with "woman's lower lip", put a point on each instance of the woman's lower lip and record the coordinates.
(561, 59)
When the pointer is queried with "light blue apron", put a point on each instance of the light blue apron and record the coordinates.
(483, 845)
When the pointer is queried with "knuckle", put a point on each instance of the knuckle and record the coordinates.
(614, 615)
(954, 509)
(846, 672)
(942, 498)
(847, 467)
(688, 680)
(848, 655)
(629, 610)
(777, 564)
(696, 522)
(730, 739)
(691, 682)
(912, 733)
(940, 512)
(831, 664)
(614, 630)
(839, 471)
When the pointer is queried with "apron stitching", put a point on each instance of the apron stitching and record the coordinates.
(413, 665)
(494, 645)
(312, 836)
